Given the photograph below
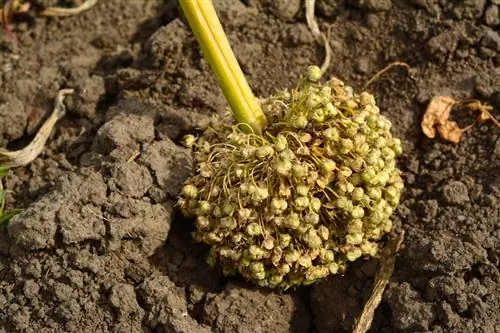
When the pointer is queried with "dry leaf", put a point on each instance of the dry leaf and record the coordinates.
(436, 117)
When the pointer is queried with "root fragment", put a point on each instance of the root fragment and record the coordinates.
(24, 156)
(317, 34)
(436, 117)
(384, 273)
(61, 11)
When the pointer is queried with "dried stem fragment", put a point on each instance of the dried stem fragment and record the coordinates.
(318, 35)
(30, 152)
(61, 11)
(384, 273)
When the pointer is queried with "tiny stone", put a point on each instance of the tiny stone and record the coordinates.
(455, 193)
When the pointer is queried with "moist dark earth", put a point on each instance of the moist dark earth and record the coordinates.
(100, 245)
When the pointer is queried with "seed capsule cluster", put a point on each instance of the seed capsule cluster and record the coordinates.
(315, 191)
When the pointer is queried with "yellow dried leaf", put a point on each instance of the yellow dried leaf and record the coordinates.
(436, 115)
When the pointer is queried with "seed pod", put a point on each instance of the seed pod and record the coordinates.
(300, 171)
(292, 256)
(330, 110)
(302, 189)
(264, 152)
(314, 73)
(189, 141)
(346, 145)
(253, 229)
(353, 254)
(315, 204)
(299, 122)
(202, 222)
(281, 143)
(357, 212)
(190, 191)
(283, 167)
(327, 166)
(228, 223)
(293, 221)
(354, 239)
(284, 240)
(301, 203)
(332, 134)
(311, 218)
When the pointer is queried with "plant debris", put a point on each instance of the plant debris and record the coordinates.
(62, 11)
(31, 151)
(5, 216)
(316, 191)
(384, 273)
(437, 115)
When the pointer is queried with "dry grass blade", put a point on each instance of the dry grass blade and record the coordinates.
(30, 152)
(60, 11)
(384, 273)
(320, 37)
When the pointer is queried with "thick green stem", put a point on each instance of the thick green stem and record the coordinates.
(205, 24)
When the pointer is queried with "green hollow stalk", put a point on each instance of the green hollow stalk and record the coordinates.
(206, 26)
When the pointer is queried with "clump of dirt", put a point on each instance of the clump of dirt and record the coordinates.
(100, 245)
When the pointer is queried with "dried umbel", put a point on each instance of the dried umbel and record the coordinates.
(315, 191)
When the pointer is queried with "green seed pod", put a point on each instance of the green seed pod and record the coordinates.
(292, 256)
(259, 275)
(328, 166)
(278, 206)
(374, 193)
(315, 204)
(228, 223)
(300, 171)
(299, 122)
(353, 254)
(397, 147)
(346, 145)
(318, 116)
(202, 222)
(284, 240)
(204, 208)
(190, 191)
(355, 226)
(330, 110)
(388, 153)
(333, 268)
(312, 218)
(368, 175)
(305, 261)
(253, 229)
(301, 203)
(283, 167)
(331, 134)
(281, 143)
(228, 208)
(323, 232)
(312, 239)
(357, 212)
(275, 280)
(302, 189)
(354, 239)
(357, 194)
(264, 152)
(189, 141)
(293, 221)
(255, 252)
(247, 152)
(314, 73)
(256, 267)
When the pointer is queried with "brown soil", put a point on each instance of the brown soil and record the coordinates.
(100, 246)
